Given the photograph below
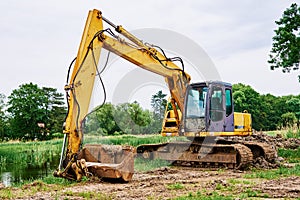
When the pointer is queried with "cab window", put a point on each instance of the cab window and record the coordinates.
(216, 104)
(228, 97)
(196, 102)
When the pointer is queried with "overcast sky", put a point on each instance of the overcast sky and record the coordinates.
(40, 38)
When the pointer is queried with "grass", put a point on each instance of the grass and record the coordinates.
(131, 140)
(175, 186)
(238, 181)
(292, 134)
(142, 165)
(234, 189)
(292, 155)
(274, 174)
(198, 195)
(48, 184)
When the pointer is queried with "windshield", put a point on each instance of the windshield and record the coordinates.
(196, 102)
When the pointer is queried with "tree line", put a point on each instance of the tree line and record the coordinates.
(127, 118)
(33, 112)
(268, 112)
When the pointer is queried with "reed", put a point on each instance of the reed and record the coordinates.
(132, 140)
(29, 154)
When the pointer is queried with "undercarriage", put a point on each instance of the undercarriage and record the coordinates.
(209, 154)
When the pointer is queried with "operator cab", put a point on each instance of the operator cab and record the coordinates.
(208, 108)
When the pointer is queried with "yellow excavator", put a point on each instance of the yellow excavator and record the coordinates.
(202, 112)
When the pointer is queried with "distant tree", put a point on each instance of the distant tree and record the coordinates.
(158, 104)
(270, 112)
(3, 118)
(239, 98)
(288, 119)
(285, 52)
(101, 121)
(55, 109)
(131, 118)
(294, 107)
(126, 118)
(29, 106)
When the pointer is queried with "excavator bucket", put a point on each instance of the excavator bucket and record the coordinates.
(108, 161)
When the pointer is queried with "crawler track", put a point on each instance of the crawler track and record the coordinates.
(233, 156)
(261, 150)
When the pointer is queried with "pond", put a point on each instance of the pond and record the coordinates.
(12, 174)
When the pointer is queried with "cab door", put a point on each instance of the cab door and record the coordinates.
(229, 114)
(216, 108)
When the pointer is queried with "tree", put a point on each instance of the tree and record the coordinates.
(55, 109)
(126, 118)
(3, 118)
(158, 104)
(294, 107)
(285, 52)
(131, 118)
(29, 106)
(101, 121)
(288, 119)
(268, 111)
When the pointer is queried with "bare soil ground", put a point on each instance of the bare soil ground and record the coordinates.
(169, 183)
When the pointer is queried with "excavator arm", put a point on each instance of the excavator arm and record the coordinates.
(80, 86)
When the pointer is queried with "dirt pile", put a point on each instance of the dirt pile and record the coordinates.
(277, 141)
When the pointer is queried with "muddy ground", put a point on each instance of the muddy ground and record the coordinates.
(169, 183)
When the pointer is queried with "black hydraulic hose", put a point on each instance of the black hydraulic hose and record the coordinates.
(69, 70)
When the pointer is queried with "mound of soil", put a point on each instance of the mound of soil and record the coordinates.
(278, 141)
